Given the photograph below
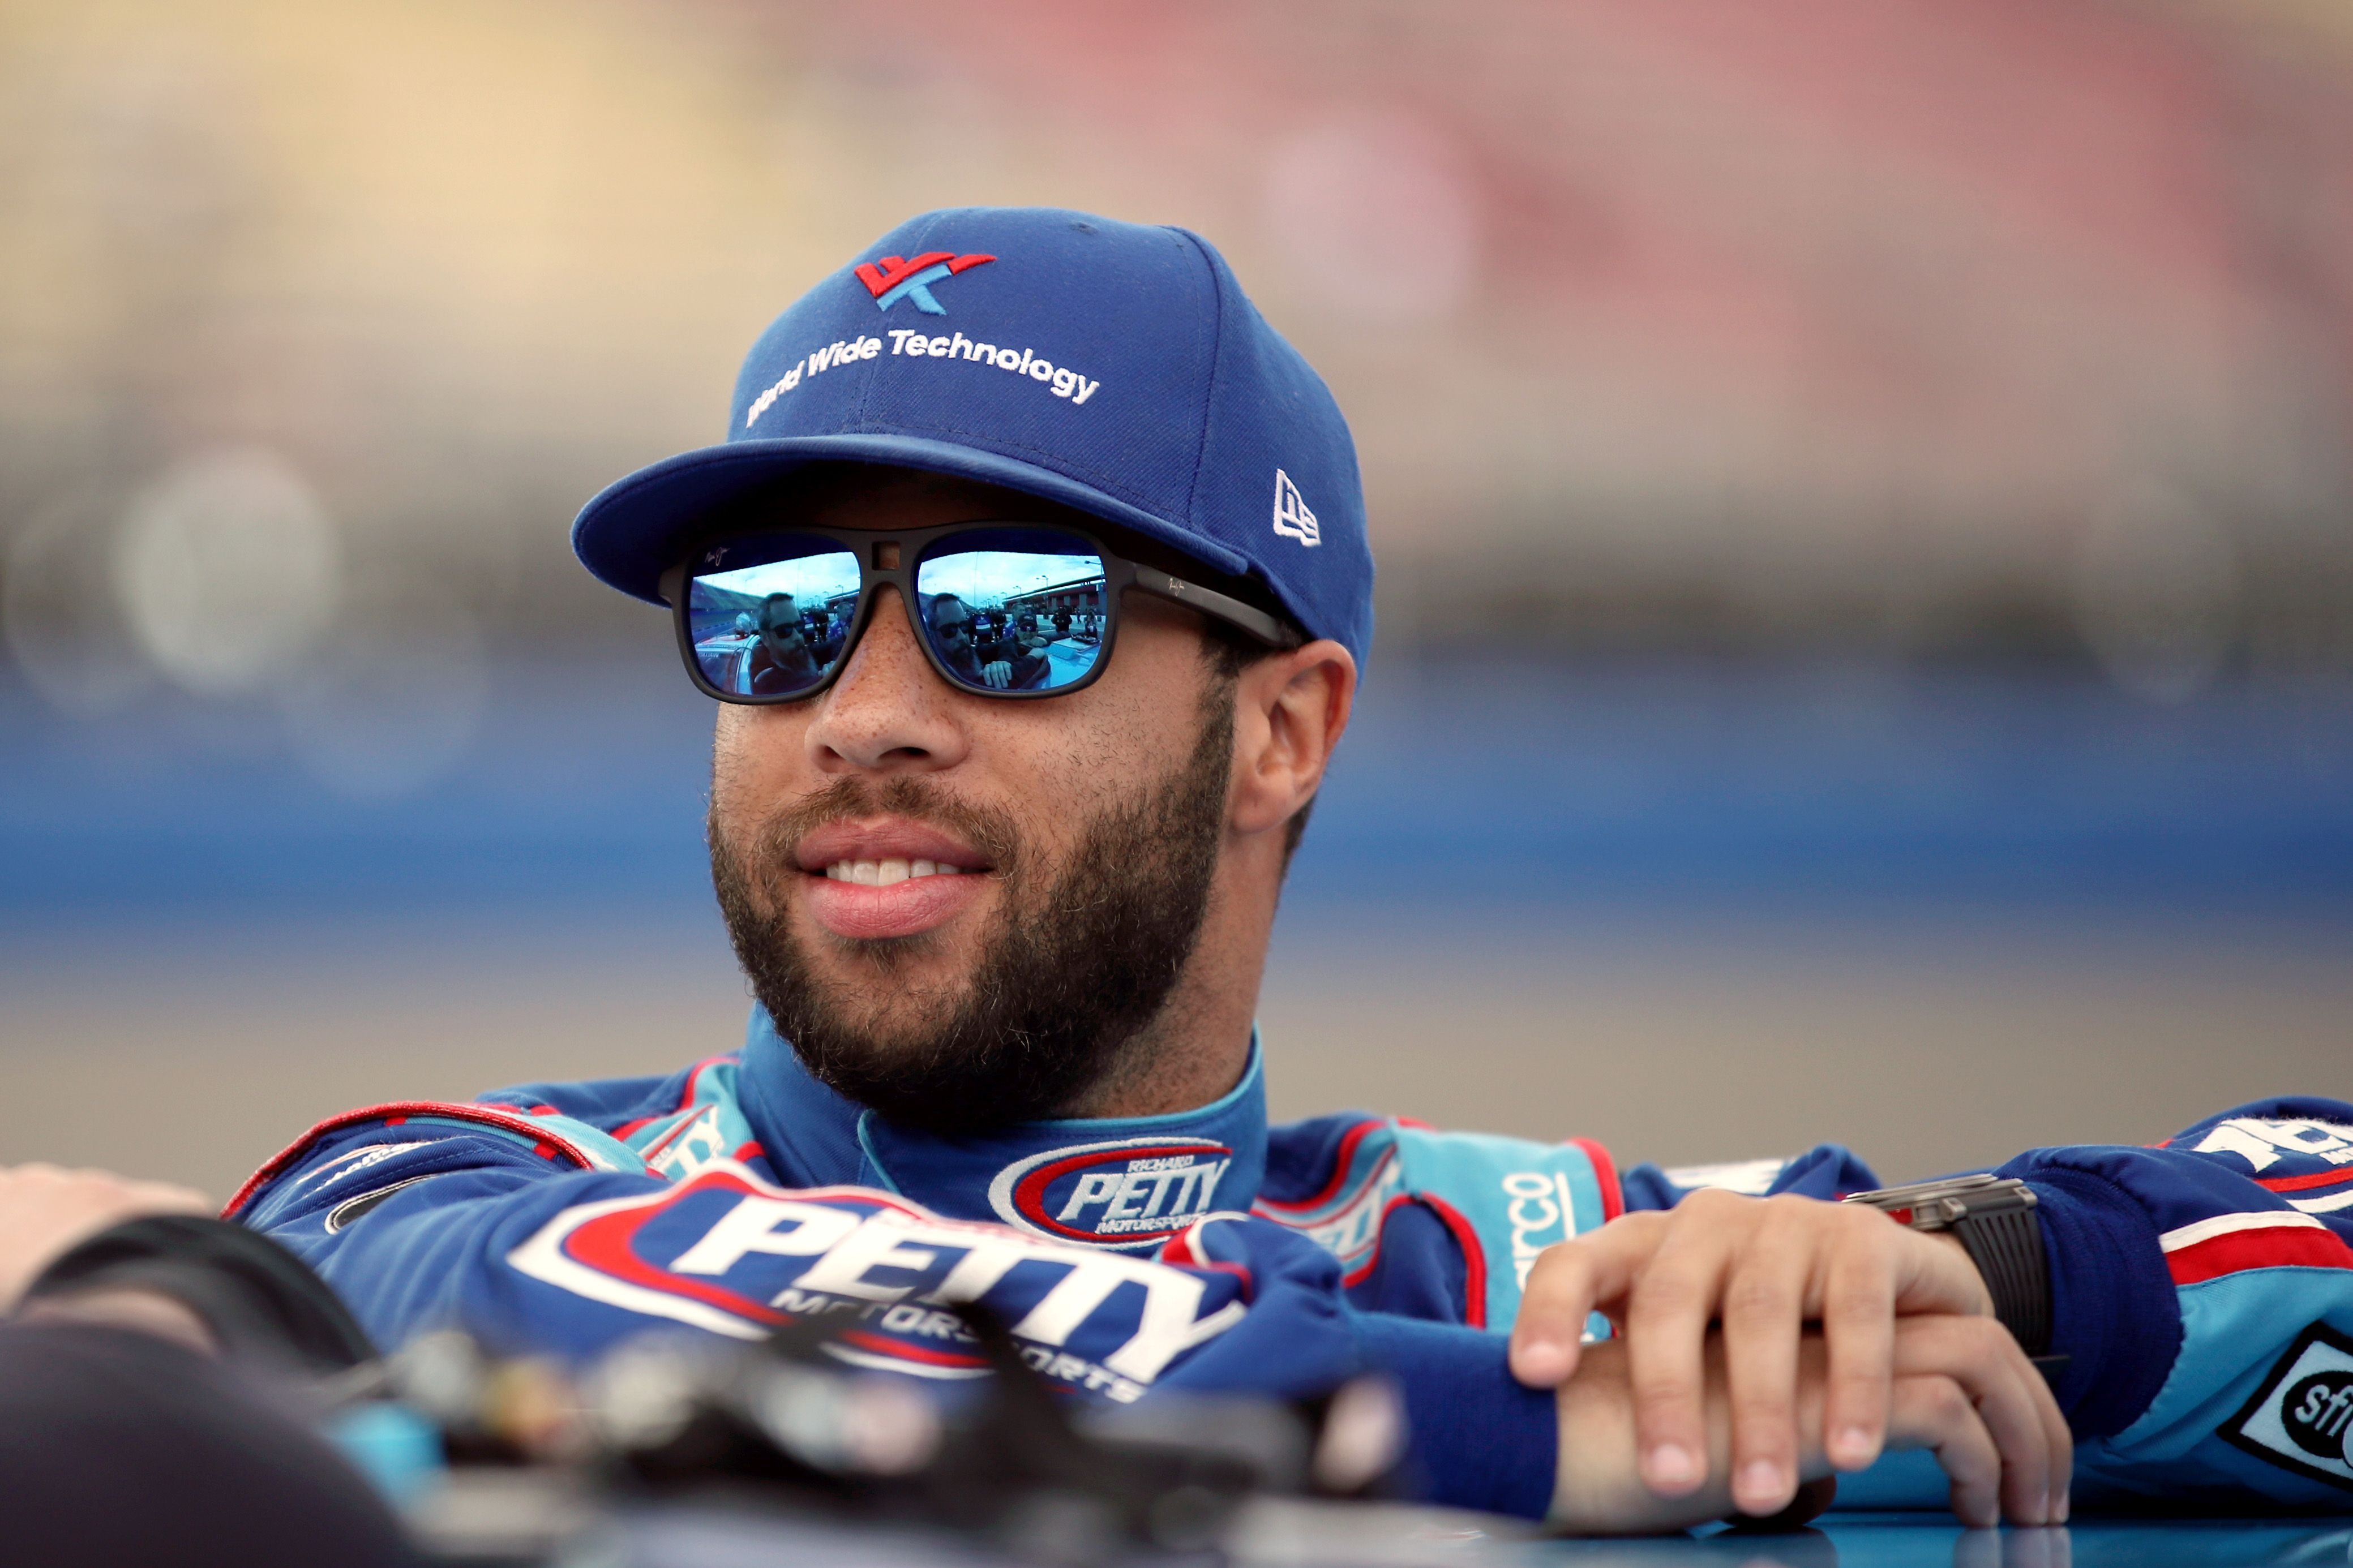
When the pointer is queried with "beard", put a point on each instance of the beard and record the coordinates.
(1081, 959)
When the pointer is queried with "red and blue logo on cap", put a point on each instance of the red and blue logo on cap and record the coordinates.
(897, 277)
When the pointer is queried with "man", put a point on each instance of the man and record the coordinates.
(783, 660)
(1006, 946)
(953, 630)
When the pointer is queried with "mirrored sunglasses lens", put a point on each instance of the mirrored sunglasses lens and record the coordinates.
(768, 618)
(1020, 610)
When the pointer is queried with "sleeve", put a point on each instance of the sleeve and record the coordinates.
(2203, 1290)
(1479, 1439)
(408, 1212)
(1827, 1171)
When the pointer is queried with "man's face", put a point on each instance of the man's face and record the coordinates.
(957, 908)
(779, 621)
(954, 627)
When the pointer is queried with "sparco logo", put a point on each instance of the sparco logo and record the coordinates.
(1130, 1192)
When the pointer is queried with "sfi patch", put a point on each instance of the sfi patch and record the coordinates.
(2302, 1417)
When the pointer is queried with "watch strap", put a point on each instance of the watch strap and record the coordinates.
(2007, 1247)
(1994, 1220)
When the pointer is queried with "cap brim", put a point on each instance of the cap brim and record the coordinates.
(638, 527)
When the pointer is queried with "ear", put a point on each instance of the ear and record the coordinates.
(1290, 711)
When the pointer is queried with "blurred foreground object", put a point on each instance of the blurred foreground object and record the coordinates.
(516, 1458)
(119, 1448)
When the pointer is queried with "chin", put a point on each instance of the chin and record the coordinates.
(930, 961)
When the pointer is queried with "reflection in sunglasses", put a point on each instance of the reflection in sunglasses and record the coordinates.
(1001, 619)
(1022, 620)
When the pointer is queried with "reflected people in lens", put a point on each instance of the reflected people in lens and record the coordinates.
(1015, 620)
(1004, 609)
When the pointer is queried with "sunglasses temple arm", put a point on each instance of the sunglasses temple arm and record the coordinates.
(1208, 601)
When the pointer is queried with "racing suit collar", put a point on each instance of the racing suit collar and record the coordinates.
(1129, 1182)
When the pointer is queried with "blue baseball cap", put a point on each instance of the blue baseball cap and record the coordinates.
(1113, 367)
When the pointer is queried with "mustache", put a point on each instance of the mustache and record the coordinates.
(991, 832)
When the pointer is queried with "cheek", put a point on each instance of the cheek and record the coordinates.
(751, 759)
(1131, 730)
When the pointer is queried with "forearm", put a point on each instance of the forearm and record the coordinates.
(1600, 1489)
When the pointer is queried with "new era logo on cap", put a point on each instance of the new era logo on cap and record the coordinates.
(896, 277)
(1292, 518)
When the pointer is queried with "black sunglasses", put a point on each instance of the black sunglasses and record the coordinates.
(1001, 608)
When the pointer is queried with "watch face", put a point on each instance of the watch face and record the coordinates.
(1934, 1206)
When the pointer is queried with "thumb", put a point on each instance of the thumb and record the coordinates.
(1934, 1273)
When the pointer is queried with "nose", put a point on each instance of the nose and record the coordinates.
(890, 711)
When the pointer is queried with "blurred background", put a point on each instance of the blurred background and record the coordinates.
(1862, 493)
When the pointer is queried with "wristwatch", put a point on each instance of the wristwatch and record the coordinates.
(1993, 1218)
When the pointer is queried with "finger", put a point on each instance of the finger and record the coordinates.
(1667, 1331)
(2063, 1448)
(1763, 1297)
(2010, 1396)
(1567, 1282)
(2058, 1443)
(1933, 1412)
(1559, 1293)
(1934, 1273)
(1858, 1317)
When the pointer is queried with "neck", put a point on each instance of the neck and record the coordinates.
(1197, 1046)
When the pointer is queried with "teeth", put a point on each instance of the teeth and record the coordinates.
(883, 873)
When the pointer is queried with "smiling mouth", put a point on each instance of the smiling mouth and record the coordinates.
(883, 873)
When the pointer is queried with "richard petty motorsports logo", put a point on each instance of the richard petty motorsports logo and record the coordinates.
(2301, 1418)
(726, 1252)
(1129, 1193)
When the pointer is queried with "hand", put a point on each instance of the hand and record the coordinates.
(999, 674)
(45, 1210)
(1762, 1267)
(1960, 1388)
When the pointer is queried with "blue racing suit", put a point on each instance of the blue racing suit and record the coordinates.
(2202, 1288)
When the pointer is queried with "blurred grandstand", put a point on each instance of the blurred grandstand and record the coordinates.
(1825, 459)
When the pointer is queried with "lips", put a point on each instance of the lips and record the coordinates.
(873, 881)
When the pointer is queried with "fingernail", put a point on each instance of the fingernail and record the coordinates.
(1671, 1465)
(1854, 1446)
(1761, 1482)
(2059, 1514)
